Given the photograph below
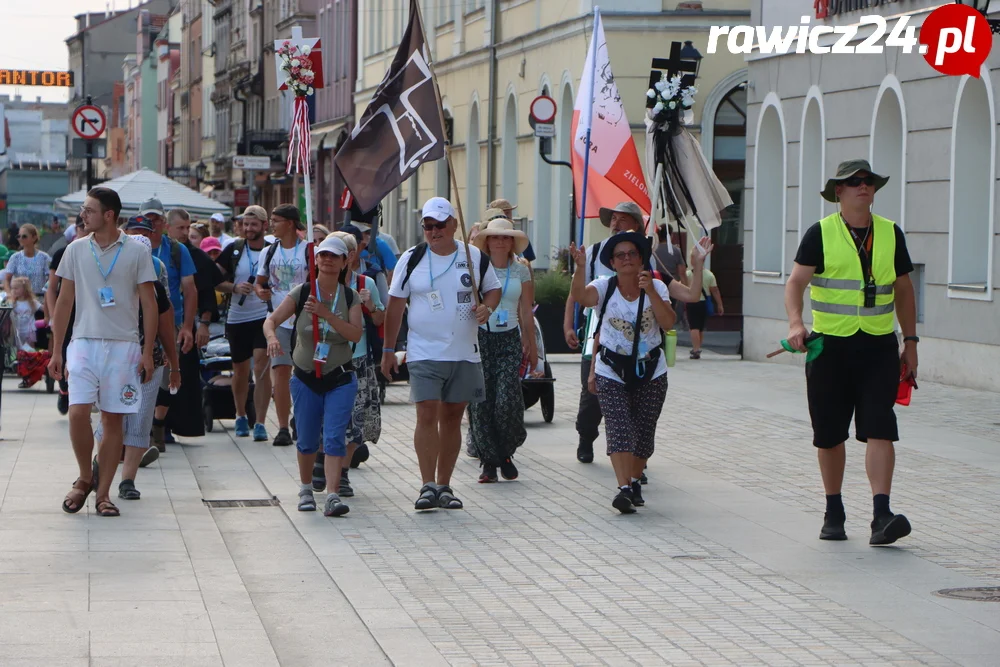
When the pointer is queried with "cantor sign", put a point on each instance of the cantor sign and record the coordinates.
(29, 77)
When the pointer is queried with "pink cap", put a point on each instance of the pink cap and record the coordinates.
(210, 243)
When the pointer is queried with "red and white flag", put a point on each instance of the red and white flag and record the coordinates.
(614, 171)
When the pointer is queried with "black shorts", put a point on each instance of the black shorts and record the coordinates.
(854, 377)
(244, 338)
(697, 313)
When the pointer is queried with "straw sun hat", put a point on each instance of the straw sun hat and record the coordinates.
(501, 227)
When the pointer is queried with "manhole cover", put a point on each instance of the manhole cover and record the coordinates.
(984, 594)
(267, 502)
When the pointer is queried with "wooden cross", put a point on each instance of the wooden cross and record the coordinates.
(674, 65)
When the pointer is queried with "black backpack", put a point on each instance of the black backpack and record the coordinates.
(420, 250)
(300, 305)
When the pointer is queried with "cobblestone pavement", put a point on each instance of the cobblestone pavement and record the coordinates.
(721, 567)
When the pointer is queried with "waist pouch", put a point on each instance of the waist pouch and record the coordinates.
(626, 368)
(338, 377)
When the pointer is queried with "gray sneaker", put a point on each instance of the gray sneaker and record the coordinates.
(334, 506)
(346, 490)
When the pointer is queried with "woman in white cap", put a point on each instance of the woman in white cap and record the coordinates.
(322, 404)
(497, 424)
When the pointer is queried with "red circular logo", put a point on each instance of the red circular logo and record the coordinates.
(956, 39)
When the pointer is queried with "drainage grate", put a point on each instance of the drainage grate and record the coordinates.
(267, 502)
(983, 594)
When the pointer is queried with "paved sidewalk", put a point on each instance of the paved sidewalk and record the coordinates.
(722, 566)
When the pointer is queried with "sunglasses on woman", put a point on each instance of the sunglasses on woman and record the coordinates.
(430, 226)
(855, 181)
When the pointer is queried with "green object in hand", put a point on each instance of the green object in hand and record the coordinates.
(814, 346)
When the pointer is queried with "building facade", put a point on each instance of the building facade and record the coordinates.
(492, 58)
(933, 135)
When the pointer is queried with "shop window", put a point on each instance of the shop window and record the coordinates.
(972, 191)
(769, 194)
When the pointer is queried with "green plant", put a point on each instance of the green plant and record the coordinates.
(552, 287)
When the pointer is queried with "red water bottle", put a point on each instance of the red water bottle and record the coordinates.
(906, 386)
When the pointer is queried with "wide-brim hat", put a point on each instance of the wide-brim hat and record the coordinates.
(502, 204)
(847, 169)
(641, 243)
(501, 227)
(628, 207)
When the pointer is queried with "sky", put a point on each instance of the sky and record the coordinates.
(33, 34)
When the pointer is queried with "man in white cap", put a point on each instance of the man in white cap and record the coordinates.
(217, 227)
(442, 345)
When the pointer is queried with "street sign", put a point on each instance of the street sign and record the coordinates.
(545, 130)
(179, 172)
(99, 148)
(251, 162)
(88, 121)
(543, 110)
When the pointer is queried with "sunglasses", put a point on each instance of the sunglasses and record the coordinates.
(855, 181)
(430, 226)
(628, 254)
(24, 236)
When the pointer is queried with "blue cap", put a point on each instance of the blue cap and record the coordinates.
(138, 222)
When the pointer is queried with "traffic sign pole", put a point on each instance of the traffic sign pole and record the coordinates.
(90, 157)
(89, 123)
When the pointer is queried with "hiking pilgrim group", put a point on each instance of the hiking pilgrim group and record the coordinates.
(315, 317)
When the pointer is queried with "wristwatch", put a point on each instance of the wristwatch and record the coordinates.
(915, 339)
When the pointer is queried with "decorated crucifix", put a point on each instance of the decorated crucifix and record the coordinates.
(684, 185)
(299, 64)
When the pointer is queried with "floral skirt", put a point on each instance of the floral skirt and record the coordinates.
(497, 424)
(366, 419)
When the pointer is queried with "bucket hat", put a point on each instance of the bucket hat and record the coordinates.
(501, 227)
(641, 243)
(847, 169)
(631, 208)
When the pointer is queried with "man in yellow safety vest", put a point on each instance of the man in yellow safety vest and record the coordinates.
(857, 268)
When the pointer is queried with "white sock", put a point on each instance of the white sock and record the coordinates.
(306, 487)
(635, 479)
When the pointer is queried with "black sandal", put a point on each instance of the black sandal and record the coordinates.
(447, 499)
(428, 498)
(127, 490)
(85, 489)
(107, 508)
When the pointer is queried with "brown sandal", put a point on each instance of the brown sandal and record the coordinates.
(80, 492)
(107, 508)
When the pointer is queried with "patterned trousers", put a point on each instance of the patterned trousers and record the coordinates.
(630, 416)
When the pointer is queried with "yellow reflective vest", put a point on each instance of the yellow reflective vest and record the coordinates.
(838, 294)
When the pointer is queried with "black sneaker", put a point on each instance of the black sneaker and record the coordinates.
(361, 455)
(585, 452)
(63, 403)
(508, 470)
(623, 502)
(637, 495)
(489, 475)
(643, 479)
(346, 490)
(888, 528)
(833, 527)
(283, 439)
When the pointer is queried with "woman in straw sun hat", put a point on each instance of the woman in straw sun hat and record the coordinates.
(497, 424)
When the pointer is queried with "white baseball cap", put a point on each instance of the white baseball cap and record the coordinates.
(438, 208)
(332, 245)
(218, 217)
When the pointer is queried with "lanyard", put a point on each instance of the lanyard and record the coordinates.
(105, 274)
(281, 251)
(506, 281)
(253, 264)
(324, 326)
(430, 268)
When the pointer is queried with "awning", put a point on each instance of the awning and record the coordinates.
(137, 187)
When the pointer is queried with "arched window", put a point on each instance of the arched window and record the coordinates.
(472, 163)
(888, 153)
(769, 194)
(564, 177)
(442, 177)
(729, 154)
(508, 146)
(811, 161)
(972, 190)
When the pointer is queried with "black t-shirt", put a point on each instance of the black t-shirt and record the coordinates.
(162, 306)
(207, 276)
(810, 253)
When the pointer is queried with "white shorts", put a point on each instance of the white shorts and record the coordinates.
(105, 372)
(136, 427)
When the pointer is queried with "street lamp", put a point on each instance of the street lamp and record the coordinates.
(691, 54)
(984, 10)
(199, 173)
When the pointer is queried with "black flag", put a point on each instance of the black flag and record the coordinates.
(401, 128)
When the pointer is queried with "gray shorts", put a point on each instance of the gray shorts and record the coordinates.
(285, 338)
(447, 381)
